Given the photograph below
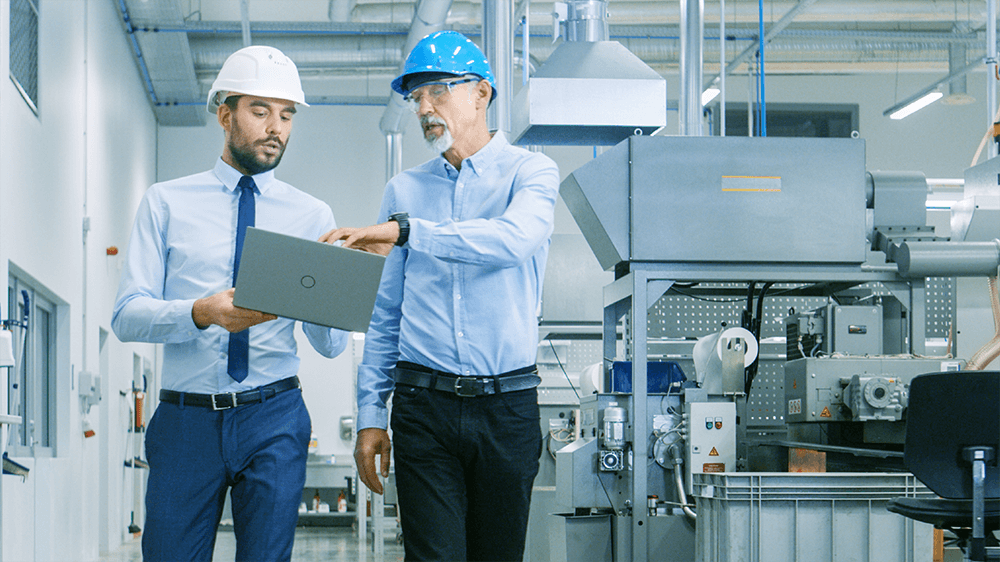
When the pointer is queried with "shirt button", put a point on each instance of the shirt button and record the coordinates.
(458, 297)
(461, 335)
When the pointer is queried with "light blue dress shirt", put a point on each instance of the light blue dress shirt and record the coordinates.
(182, 249)
(463, 294)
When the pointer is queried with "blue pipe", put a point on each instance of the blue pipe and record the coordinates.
(311, 103)
(763, 106)
(138, 53)
(265, 32)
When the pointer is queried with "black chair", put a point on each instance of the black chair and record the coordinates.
(952, 441)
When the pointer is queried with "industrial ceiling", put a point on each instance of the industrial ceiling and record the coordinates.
(179, 45)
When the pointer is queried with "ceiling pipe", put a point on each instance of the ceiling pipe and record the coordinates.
(692, 59)
(429, 17)
(639, 12)
(245, 22)
(991, 70)
(340, 10)
(771, 33)
(958, 88)
(384, 51)
(498, 46)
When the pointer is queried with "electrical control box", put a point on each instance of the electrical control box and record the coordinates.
(852, 330)
(711, 438)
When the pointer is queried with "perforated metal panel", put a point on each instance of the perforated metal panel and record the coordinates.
(684, 318)
(680, 316)
(24, 49)
(940, 306)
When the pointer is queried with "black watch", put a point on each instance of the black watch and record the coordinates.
(403, 219)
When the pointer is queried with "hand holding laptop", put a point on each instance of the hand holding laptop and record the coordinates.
(219, 309)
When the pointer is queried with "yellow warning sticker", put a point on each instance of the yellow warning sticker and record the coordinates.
(713, 452)
(825, 413)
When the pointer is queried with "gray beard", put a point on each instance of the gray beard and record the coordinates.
(443, 142)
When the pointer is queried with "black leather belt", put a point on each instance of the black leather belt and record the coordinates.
(412, 374)
(227, 400)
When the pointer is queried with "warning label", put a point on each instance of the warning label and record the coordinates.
(825, 413)
(795, 406)
(713, 467)
(713, 452)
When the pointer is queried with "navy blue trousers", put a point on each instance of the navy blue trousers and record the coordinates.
(464, 472)
(195, 455)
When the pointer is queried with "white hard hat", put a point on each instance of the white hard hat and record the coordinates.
(257, 71)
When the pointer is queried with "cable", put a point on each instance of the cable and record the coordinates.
(724, 301)
(610, 503)
(703, 299)
(556, 355)
(751, 371)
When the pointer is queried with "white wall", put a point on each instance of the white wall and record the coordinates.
(89, 152)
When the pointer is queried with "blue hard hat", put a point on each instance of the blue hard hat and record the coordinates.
(441, 54)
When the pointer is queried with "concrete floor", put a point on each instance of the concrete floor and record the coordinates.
(335, 544)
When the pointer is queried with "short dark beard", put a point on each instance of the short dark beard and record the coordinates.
(245, 158)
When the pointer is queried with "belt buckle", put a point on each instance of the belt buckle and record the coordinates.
(460, 387)
(217, 407)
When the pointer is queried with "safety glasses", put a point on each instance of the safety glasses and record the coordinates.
(434, 92)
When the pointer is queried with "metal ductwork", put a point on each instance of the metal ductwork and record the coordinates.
(590, 91)
(167, 64)
(429, 17)
(178, 55)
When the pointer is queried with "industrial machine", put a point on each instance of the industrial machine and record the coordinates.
(831, 291)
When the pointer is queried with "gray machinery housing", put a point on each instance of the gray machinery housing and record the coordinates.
(796, 221)
(724, 200)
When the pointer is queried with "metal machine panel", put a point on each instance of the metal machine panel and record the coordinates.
(597, 196)
(731, 199)
(722, 199)
(856, 330)
(815, 386)
(900, 199)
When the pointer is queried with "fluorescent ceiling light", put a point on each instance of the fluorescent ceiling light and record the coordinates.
(916, 105)
(709, 95)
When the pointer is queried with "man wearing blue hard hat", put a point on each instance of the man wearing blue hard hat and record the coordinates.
(454, 332)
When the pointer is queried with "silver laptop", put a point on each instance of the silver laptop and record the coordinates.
(307, 280)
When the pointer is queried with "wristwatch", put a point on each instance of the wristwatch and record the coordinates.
(403, 219)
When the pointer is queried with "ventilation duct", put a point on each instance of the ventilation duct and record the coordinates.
(590, 91)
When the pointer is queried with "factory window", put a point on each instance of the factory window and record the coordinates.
(31, 391)
(24, 49)
(790, 120)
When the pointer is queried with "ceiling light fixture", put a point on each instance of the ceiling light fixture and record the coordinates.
(928, 95)
(709, 94)
(899, 111)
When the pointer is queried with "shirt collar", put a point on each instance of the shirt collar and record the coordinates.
(230, 177)
(487, 154)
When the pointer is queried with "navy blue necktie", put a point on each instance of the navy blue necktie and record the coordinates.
(239, 342)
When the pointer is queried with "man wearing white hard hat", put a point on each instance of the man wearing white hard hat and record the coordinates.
(231, 415)
(454, 332)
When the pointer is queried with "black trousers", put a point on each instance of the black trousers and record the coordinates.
(464, 472)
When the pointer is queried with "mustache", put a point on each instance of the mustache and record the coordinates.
(428, 119)
(276, 140)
